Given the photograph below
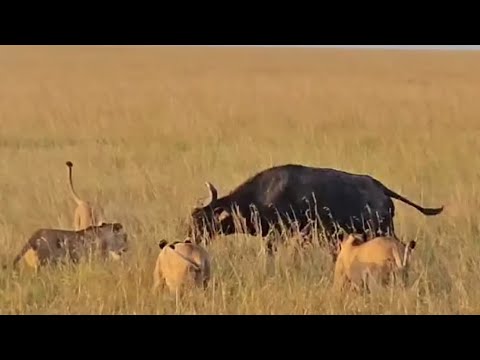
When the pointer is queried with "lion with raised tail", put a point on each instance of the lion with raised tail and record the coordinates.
(364, 264)
(85, 214)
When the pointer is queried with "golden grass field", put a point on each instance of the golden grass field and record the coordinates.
(146, 126)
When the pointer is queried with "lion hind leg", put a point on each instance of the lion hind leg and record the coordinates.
(157, 277)
(339, 276)
(77, 220)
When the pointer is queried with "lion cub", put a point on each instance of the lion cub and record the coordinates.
(360, 263)
(180, 264)
(85, 214)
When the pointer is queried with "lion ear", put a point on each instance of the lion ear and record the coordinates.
(34, 245)
(357, 239)
(412, 244)
(222, 214)
(162, 243)
(60, 243)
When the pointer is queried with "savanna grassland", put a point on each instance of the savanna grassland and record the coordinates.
(146, 126)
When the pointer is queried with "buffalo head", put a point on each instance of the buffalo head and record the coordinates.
(211, 217)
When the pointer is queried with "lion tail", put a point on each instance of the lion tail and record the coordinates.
(70, 182)
(410, 246)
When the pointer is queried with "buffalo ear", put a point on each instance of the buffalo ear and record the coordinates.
(223, 215)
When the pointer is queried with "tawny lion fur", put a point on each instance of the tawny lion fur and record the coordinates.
(52, 246)
(181, 264)
(370, 262)
(85, 214)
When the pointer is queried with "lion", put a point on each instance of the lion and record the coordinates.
(85, 214)
(372, 262)
(181, 264)
(53, 246)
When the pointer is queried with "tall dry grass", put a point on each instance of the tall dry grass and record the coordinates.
(146, 126)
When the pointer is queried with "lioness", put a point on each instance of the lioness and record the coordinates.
(181, 263)
(85, 214)
(377, 259)
(55, 245)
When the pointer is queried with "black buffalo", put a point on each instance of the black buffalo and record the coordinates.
(332, 198)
